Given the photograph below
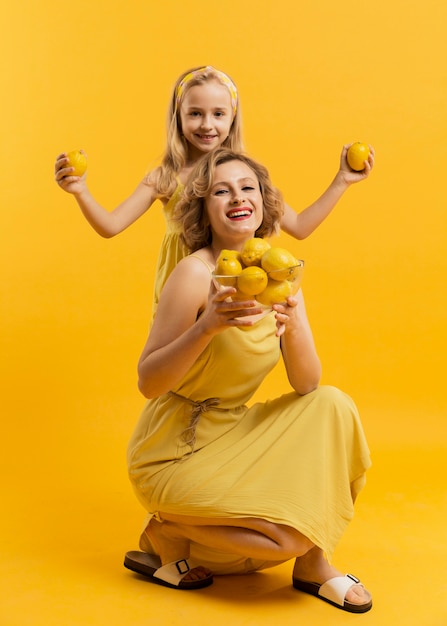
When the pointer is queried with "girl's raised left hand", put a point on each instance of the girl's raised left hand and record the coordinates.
(348, 175)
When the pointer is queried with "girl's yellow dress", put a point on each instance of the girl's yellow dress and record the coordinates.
(171, 250)
(294, 460)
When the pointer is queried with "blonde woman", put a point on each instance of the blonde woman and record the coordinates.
(231, 488)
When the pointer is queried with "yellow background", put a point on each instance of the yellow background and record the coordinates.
(75, 308)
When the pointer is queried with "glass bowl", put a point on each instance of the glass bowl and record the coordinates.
(281, 284)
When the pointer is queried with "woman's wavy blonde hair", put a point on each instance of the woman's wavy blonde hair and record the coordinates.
(191, 213)
(176, 154)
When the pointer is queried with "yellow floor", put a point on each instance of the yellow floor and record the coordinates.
(62, 557)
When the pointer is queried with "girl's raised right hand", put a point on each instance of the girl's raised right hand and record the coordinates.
(64, 178)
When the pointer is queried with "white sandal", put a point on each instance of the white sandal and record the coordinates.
(169, 575)
(334, 591)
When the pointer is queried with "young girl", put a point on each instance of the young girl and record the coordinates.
(203, 115)
(238, 488)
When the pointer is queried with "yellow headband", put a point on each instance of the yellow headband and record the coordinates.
(226, 80)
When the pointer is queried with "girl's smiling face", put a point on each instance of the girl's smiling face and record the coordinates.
(206, 116)
(234, 204)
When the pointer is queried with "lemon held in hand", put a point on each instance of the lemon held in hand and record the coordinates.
(357, 154)
(78, 160)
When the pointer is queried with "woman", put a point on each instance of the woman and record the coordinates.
(230, 487)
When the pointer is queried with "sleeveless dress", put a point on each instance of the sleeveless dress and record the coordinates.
(171, 250)
(200, 450)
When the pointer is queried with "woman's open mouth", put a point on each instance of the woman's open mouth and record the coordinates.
(241, 213)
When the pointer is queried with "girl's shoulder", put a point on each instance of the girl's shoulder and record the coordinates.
(163, 181)
(183, 175)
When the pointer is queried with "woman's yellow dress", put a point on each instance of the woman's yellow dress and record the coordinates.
(294, 460)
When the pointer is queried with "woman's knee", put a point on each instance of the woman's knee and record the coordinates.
(336, 404)
(292, 543)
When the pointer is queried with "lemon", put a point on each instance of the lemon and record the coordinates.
(357, 154)
(253, 250)
(277, 259)
(230, 253)
(227, 264)
(252, 280)
(78, 160)
(293, 273)
(227, 268)
(275, 292)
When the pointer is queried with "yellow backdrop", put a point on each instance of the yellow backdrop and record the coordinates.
(75, 308)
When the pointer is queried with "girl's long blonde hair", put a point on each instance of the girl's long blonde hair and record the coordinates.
(190, 211)
(176, 154)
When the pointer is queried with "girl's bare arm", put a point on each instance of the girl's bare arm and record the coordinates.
(106, 223)
(301, 225)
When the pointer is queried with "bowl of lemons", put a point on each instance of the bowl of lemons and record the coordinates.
(260, 272)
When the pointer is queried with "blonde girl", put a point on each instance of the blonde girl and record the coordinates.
(204, 114)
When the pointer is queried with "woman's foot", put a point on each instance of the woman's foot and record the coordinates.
(172, 547)
(172, 575)
(313, 568)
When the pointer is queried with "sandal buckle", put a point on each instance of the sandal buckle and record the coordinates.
(352, 577)
(182, 566)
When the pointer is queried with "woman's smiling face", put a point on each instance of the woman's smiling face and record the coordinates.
(234, 204)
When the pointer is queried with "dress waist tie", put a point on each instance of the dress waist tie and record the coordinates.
(188, 436)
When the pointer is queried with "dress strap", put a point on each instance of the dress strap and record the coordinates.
(170, 204)
(196, 256)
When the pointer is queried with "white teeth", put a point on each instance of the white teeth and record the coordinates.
(239, 213)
